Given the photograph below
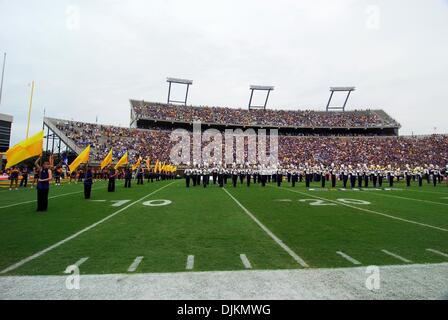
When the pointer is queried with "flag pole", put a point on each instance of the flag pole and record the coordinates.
(29, 110)
(3, 74)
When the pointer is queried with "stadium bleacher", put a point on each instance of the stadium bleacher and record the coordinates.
(325, 146)
(267, 118)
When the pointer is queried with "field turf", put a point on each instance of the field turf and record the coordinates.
(275, 228)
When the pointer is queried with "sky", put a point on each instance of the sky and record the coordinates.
(89, 57)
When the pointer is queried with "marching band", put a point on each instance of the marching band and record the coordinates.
(360, 176)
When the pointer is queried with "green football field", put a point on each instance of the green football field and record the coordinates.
(165, 227)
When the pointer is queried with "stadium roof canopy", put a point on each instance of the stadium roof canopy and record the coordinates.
(342, 89)
(255, 87)
(177, 80)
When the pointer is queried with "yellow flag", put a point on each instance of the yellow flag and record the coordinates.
(122, 161)
(107, 161)
(156, 167)
(82, 158)
(137, 164)
(26, 149)
(148, 163)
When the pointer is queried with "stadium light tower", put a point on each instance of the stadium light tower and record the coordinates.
(339, 89)
(181, 82)
(259, 88)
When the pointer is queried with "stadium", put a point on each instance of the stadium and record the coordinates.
(191, 201)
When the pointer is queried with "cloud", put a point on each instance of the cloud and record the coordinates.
(89, 57)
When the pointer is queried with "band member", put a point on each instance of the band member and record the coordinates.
(333, 178)
(241, 174)
(380, 178)
(353, 176)
(264, 174)
(205, 177)
(14, 177)
(225, 176)
(294, 177)
(112, 175)
(234, 177)
(323, 177)
(366, 178)
(307, 178)
(359, 176)
(248, 177)
(220, 177)
(24, 180)
(344, 174)
(43, 185)
(419, 174)
(391, 175)
(435, 174)
(408, 176)
(375, 177)
(88, 181)
(279, 177)
(194, 177)
(215, 175)
(255, 176)
(187, 173)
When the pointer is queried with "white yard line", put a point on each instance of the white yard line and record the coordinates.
(135, 264)
(190, 262)
(81, 261)
(438, 252)
(421, 191)
(53, 197)
(396, 256)
(294, 255)
(371, 211)
(348, 258)
(405, 198)
(73, 236)
(78, 263)
(245, 261)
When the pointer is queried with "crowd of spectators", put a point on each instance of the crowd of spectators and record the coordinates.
(259, 117)
(397, 151)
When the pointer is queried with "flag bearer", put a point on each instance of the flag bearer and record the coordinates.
(43, 185)
(127, 177)
(88, 181)
(112, 176)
